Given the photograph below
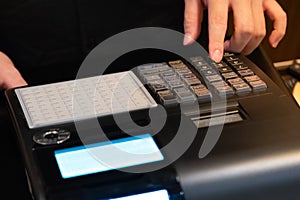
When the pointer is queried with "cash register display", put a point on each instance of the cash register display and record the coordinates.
(125, 152)
(160, 194)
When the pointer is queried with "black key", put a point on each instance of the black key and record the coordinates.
(219, 84)
(208, 72)
(179, 67)
(167, 97)
(175, 84)
(175, 62)
(149, 66)
(148, 72)
(252, 78)
(213, 78)
(226, 54)
(226, 90)
(235, 62)
(223, 88)
(158, 87)
(235, 81)
(225, 69)
(242, 88)
(240, 67)
(199, 63)
(149, 78)
(246, 72)
(169, 73)
(184, 95)
(171, 78)
(231, 58)
(205, 67)
(198, 87)
(229, 75)
(183, 71)
(203, 95)
(156, 82)
(164, 68)
(192, 81)
(221, 64)
(190, 75)
(258, 85)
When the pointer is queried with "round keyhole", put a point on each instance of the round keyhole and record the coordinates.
(51, 134)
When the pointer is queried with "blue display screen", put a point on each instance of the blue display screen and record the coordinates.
(105, 156)
(159, 194)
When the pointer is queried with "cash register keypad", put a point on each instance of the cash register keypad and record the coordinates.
(102, 95)
(180, 82)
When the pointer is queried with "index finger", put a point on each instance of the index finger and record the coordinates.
(217, 26)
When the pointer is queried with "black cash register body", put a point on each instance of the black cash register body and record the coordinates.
(258, 144)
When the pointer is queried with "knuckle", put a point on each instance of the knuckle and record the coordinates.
(283, 16)
(218, 20)
(245, 31)
(260, 34)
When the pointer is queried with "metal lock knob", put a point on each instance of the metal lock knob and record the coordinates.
(52, 136)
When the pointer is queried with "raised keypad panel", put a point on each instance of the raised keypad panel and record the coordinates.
(181, 82)
(103, 95)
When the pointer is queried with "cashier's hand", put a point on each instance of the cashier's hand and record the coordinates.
(10, 77)
(249, 24)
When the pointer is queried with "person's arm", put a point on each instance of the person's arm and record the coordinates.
(249, 24)
(10, 77)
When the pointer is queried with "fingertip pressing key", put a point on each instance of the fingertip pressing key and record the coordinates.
(217, 55)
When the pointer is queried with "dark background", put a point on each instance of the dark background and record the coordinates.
(13, 176)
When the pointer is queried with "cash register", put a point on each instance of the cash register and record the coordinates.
(234, 119)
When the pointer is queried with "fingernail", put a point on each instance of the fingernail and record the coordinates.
(217, 55)
(187, 39)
